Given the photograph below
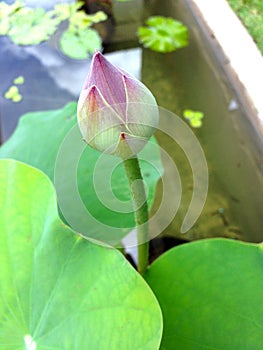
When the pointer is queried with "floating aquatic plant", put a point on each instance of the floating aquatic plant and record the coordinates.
(79, 40)
(163, 34)
(84, 42)
(19, 80)
(31, 26)
(13, 92)
(194, 117)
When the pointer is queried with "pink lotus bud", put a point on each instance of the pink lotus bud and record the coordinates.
(117, 114)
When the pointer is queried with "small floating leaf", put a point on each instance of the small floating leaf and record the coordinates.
(195, 123)
(194, 117)
(80, 20)
(12, 91)
(13, 94)
(190, 114)
(64, 11)
(98, 17)
(163, 34)
(19, 80)
(17, 98)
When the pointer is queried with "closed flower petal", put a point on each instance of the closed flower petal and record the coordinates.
(117, 114)
(108, 79)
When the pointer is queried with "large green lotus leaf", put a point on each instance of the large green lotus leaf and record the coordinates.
(58, 290)
(38, 136)
(51, 141)
(210, 293)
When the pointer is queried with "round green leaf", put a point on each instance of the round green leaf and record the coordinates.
(190, 114)
(19, 80)
(13, 94)
(58, 290)
(194, 117)
(80, 43)
(210, 293)
(29, 144)
(163, 34)
(17, 98)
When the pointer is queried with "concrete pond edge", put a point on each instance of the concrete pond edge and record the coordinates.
(244, 60)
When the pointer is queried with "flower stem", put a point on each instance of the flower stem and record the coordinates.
(140, 206)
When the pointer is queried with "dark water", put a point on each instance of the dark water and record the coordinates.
(51, 80)
(42, 67)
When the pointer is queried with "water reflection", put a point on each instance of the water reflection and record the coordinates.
(41, 89)
(42, 3)
(51, 78)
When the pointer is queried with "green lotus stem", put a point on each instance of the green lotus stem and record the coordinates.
(140, 206)
(117, 115)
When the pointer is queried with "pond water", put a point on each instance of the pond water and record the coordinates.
(194, 78)
(51, 79)
(190, 78)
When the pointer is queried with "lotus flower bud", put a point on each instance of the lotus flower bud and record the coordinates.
(117, 114)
